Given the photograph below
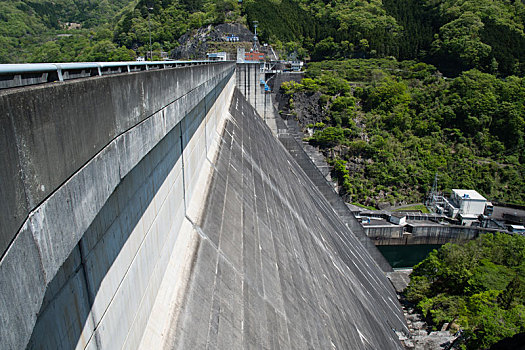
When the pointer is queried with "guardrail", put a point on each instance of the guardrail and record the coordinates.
(17, 75)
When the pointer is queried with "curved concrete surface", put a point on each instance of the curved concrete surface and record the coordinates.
(68, 148)
(275, 267)
(136, 216)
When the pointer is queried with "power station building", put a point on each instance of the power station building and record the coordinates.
(467, 205)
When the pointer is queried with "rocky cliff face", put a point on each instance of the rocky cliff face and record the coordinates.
(196, 44)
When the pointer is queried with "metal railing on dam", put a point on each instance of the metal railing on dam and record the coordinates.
(17, 75)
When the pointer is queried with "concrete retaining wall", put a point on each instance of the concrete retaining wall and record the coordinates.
(423, 234)
(382, 232)
(94, 179)
(51, 131)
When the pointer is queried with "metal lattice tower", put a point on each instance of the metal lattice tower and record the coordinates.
(433, 192)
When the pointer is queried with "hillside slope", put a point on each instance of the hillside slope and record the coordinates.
(387, 127)
(454, 35)
(59, 30)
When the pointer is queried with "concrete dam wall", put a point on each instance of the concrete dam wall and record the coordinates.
(95, 177)
(276, 268)
(425, 233)
(289, 134)
(154, 210)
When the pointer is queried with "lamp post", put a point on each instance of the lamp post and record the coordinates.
(150, 7)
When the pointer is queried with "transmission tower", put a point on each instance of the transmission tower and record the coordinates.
(433, 192)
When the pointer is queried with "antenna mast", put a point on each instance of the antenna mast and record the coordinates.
(255, 24)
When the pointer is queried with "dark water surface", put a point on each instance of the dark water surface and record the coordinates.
(406, 255)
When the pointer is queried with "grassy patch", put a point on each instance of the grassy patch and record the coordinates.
(419, 207)
(364, 206)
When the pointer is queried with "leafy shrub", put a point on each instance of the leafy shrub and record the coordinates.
(479, 285)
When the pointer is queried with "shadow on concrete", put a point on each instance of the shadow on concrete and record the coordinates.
(68, 317)
(277, 267)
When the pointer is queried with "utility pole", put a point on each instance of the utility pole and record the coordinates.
(150, 7)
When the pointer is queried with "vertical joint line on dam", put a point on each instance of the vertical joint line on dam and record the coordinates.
(206, 122)
(255, 82)
(182, 167)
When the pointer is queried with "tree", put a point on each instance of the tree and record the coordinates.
(513, 294)
(48, 52)
(192, 5)
(489, 307)
(325, 49)
(461, 38)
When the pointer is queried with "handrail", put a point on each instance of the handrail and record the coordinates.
(24, 74)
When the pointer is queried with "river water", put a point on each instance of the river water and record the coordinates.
(400, 256)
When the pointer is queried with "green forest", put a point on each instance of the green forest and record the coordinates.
(452, 35)
(37, 31)
(395, 92)
(477, 287)
(404, 89)
(388, 127)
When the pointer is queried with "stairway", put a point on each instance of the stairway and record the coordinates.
(313, 164)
